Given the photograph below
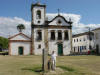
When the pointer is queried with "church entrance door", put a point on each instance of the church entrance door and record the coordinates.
(60, 49)
(20, 50)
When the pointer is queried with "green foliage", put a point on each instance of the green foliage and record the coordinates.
(4, 43)
(20, 27)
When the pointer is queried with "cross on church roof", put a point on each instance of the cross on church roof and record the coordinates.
(58, 11)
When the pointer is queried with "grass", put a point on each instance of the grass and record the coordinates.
(31, 65)
(66, 68)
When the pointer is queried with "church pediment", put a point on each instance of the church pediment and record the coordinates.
(19, 36)
(59, 20)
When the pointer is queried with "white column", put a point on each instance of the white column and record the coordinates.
(63, 35)
(56, 35)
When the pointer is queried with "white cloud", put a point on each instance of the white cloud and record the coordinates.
(74, 17)
(8, 24)
(77, 26)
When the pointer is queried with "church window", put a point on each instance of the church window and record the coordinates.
(38, 14)
(66, 37)
(59, 35)
(59, 21)
(52, 35)
(74, 49)
(38, 21)
(39, 46)
(39, 35)
(74, 40)
(77, 40)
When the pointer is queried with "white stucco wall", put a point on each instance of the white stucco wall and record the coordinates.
(20, 37)
(38, 51)
(82, 42)
(97, 38)
(56, 20)
(16, 45)
(52, 44)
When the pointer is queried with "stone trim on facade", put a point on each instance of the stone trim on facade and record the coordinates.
(51, 26)
(19, 34)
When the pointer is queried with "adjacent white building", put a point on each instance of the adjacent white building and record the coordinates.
(83, 42)
(54, 35)
(97, 39)
(19, 44)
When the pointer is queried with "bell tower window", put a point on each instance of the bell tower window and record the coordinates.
(38, 14)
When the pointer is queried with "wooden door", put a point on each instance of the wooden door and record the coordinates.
(60, 49)
(20, 50)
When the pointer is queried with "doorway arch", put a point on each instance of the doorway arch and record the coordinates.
(60, 49)
(20, 50)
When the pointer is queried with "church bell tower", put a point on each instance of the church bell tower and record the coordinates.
(38, 19)
(38, 14)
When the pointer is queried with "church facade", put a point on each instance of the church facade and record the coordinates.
(54, 35)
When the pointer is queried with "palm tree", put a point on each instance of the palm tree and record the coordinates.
(20, 27)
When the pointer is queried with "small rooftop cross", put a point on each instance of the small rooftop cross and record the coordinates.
(58, 11)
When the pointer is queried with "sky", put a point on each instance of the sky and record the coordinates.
(84, 13)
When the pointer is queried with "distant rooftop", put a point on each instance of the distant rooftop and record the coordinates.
(81, 34)
(96, 29)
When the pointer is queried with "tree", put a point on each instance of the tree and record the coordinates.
(3, 43)
(20, 27)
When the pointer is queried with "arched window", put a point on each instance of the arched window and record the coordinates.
(38, 14)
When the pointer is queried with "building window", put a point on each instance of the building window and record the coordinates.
(39, 46)
(52, 35)
(66, 36)
(74, 49)
(39, 35)
(84, 39)
(74, 40)
(38, 21)
(78, 48)
(38, 14)
(59, 35)
(59, 22)
(90, 37)
(77, 40)
(84, 47)
(80, 40)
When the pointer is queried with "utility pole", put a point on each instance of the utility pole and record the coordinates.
(89, 33)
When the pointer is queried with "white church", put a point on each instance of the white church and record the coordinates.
(54, 35)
